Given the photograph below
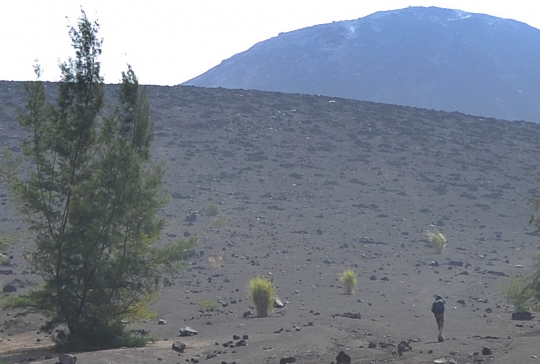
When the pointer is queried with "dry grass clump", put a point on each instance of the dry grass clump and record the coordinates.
(437, 240)
(261, 291)
(215, 261)
(348, 281)
(206, 305)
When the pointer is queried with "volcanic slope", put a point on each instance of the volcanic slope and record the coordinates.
(308, 186)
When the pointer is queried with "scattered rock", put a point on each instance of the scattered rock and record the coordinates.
(343, 358)
(241, 342)
(486, 351)
(352, 315)
(522, 316)
(187, 331)
(497, 273)
(9, 288)
(278, 303)
(287, 360)
(67, 359)
(191, 218)
(179, 346)
(402, 347)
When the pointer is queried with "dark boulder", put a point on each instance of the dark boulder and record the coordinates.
(187, 331)
(343, 358)
(522, 316)
(179, 346)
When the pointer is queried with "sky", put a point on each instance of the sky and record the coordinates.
(168, 42)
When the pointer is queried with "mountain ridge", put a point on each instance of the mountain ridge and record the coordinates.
(424, 57)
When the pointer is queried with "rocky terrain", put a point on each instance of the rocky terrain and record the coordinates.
(426, 57)
(308, 186)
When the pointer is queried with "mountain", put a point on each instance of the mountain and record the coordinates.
(424, 57)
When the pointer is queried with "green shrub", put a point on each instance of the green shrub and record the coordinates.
(348, 281)
(207, 305)
(518, 293)
(111, 335)
(437, 240)
(212, 208)
(261, 291)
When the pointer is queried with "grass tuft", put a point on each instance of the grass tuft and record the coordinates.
(518, 293)
(212, 208)
(437, 241)
(261, 291)
(207, 305)
(348, 281)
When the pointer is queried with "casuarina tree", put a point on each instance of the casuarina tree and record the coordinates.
(91, 194)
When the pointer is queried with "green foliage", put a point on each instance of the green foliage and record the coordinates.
(348, 281)
(207, 305)
(261, 291)
(437, 240)
(91, 196)
(518, 292)
(7, 240)
(212, 208)
(115, 331)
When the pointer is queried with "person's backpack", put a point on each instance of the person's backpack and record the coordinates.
(438, 306)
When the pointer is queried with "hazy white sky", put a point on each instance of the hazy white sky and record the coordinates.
(171, 41)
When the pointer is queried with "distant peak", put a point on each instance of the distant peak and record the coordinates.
(424, 12)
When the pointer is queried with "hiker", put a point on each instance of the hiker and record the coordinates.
(438, 310)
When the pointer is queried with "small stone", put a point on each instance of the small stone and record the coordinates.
(162, 322)
(187, 331)
(486, 351)
(343, 358)
(179, 346)
(287, 360)
(67, 359)
(241, 343)
(9, 288)
(522, 316)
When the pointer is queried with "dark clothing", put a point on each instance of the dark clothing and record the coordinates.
(439, 317)
(438, 310)
(438, 306)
